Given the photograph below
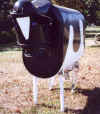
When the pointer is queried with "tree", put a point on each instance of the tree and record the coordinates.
(75, 4)
(4, 7)
(89, 8)
(6, 33)
(4, 12)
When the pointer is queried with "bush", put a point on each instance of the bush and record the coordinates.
(7, 37)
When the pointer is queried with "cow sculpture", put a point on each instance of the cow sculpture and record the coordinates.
(52, 39)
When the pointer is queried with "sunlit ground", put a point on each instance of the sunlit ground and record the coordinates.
(16, 87)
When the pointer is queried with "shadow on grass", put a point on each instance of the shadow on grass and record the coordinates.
(92, 105)
(93, 102)
(35, 109)
(9, 47)
(95, 46)
(46, 106)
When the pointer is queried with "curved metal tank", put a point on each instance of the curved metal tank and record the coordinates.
(74, 42)
(51, 36)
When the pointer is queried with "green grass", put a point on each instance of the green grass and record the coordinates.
(97, 28)
(48, 101)
(90, 32)
(9, 47)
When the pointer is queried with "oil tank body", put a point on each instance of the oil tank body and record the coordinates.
(50, 34)
(40, 30)
(74, 42)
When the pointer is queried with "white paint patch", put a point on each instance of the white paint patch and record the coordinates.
(71, 56)
(24, 24)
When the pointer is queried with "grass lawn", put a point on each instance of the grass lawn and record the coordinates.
(94, 28)
(16, 87)
(91, 32)
(16, 95)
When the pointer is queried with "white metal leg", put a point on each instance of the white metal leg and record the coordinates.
(35, 89)
(74, 78)
(51, 82)
(61, 82)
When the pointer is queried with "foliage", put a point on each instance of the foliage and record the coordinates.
(4, 9)
(16, 88)
(6, 33)
(89, 8)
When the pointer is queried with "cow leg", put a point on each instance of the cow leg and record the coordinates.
(61, 82)
(75, 76)
(51, 82)
(35, 89)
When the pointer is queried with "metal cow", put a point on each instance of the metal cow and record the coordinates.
(52, 39)
(51, 36)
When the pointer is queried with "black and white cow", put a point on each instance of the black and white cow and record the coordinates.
(52, 38)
